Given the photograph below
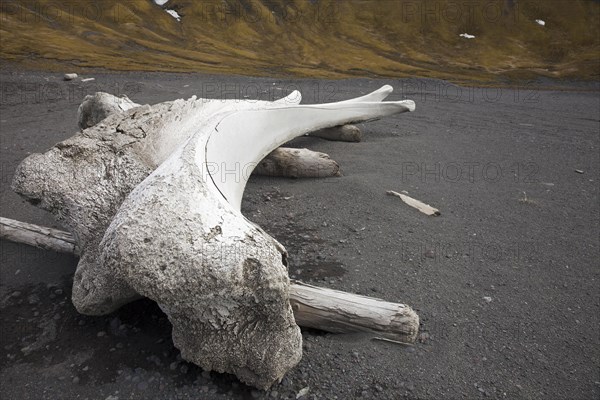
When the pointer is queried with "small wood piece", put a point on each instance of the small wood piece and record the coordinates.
(314, 307)
(297, 163)
(424, 208)
(343, 133)
(38, 236)
(382, 339)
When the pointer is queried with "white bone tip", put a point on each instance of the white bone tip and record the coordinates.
(409, 104)
(293, 98)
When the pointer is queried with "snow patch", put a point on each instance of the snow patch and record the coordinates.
(174, 14)
(540, 22)
(467, 36)
(161, 2)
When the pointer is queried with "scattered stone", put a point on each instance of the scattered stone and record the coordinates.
(303, 392)
(184, 369)
(115, 325)
(33, 299)
(101, 334)
(76, 380)
(142, 386)
(154, 359)
(70, 77)
(487, 299)
(173, 365)
(256, 394)
(429, 254)
(579, 171)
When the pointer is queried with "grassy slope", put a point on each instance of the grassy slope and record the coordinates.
(323, 38)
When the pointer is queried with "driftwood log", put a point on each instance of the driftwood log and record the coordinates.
(153, 197)
(38, 236)
(297, 163)
(314, 307)
(343, 133)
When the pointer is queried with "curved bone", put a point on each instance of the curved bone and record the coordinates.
(178, 236)
(234, 303)
(265, 130)
(375, 96)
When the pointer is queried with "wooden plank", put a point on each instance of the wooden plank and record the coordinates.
(419, 205)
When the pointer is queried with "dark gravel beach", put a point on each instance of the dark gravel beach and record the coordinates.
(505, 281)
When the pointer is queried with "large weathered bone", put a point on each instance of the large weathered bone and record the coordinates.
(178, 236)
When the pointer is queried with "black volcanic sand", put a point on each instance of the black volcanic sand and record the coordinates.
(505, 280)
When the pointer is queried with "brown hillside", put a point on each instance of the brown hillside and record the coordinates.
(322, 38)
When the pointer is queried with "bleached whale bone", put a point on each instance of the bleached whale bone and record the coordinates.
(179, 237)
